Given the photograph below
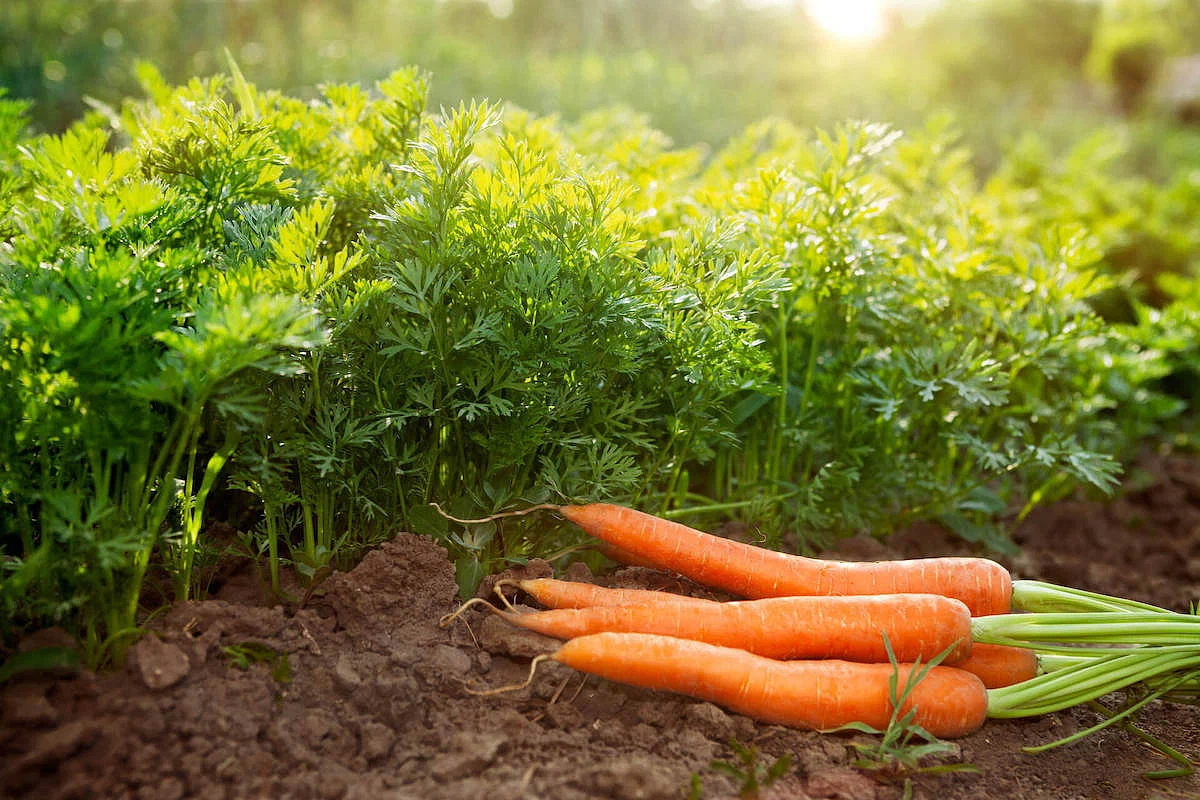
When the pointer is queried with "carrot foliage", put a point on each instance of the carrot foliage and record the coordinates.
(308, 319)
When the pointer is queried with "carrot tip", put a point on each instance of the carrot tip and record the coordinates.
(499, 590)
(457, 613)
(514, 687)
(518, 513)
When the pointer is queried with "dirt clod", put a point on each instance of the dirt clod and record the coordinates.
(377, 741)
(159, 663)
(396, 595)
(345, 676)
(470, 756)
(840, 783)
(58, 745)
(635, 778)
(25, 703)
(450, 660)
(709, 720)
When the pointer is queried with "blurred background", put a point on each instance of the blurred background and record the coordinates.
(701, 69)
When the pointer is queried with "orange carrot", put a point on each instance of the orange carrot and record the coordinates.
(851, 628)
(749, 571)
(999, 665)
(575, 594)
(820, 695)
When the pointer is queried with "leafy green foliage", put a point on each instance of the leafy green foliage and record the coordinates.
(127, 362)
(351, 308)
(42, 658)
(927, 365)
(528, 339)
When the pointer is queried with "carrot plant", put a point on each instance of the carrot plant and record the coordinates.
(925, 365)
(128, 361)
(360, 307)
(529, 339)
(351, 306)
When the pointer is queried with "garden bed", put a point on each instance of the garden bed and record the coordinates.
(376, 703)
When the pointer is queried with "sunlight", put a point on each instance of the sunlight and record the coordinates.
(855, 20)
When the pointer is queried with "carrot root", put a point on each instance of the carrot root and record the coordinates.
(755, 572)
(575, 594)
(447, 619)
(513, 687)
(851, 628)
(818, 695)
(1000, 665)
(498, 590)
(501, 515)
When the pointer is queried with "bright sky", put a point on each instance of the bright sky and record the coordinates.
(853, 20)
(849, 20)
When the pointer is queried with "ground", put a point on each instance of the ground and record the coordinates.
(377, 703)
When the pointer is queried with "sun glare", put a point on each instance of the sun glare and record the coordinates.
(852, 20)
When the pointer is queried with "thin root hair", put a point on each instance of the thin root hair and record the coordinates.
(533, 665)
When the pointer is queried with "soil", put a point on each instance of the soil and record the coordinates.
(376, 704)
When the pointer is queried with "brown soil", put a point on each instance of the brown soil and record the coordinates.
(377, 706)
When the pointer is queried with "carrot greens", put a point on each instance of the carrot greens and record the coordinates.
(342, 308)
(1028, 595)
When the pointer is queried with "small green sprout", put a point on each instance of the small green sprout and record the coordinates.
(752, 777)
(247, 653)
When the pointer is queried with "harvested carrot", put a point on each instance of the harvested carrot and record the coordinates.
(820, 695)
(576, 594)
(754, 572)
(851, 628)
(999, 665)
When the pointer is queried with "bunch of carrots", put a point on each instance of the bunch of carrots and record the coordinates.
(822, 644)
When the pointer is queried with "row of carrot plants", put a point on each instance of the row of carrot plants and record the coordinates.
(312, 319)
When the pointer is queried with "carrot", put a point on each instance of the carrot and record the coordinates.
(575, 594)
(749, 571)
(819, 695)
(999, 665)
(851, 628)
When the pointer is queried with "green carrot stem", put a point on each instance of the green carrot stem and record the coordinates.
(1108, 627)
(1072, 686)
(1048, 597)
(676, 513)
(1085, 678)
(1052, 662)
(1185, 767)
(1111, 717)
